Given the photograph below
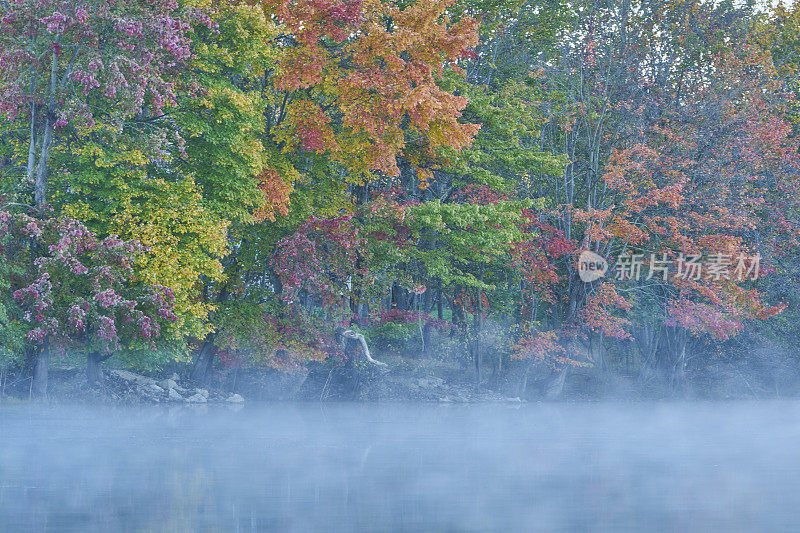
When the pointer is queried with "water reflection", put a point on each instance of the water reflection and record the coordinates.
(290, 467)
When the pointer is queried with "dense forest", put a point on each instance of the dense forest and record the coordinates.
(506, 194)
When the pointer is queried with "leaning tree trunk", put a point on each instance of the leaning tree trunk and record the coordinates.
(41, 370)
(205, 358)
(358, 337)
(556, 386)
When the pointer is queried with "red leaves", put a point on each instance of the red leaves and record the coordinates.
(312, 127)
(320, 257)
(275, 196)
(597, 315)
(479, 194)
(536, 258)
(700, 318)
(545, 348)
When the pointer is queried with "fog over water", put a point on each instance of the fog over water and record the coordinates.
(382, 467)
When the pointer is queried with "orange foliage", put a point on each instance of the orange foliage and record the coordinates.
(545, 348)
(275, 195)
(372, 64)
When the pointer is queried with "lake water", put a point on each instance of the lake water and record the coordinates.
(343, 467)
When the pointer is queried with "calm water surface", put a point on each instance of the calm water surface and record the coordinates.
(344, 467)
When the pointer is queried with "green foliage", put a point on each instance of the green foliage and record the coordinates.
(470, 239)
(507, 154)
(269, 333)
(12, 330)
(222, 120)
(111, 181)
(391, 333)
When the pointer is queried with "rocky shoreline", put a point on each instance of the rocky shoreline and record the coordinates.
(401, 380)
(150, 390)
(124, 387)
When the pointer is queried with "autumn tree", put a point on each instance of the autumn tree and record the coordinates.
(62, 61)
(705, 182)
(84, 294)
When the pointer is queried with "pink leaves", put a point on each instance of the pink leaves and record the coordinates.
(107, 298)
(36, 335)
(11, 98)
(147, 44)
(86, 80)
(700, 318)
(32, 229)
(97, 299)
(81, 15)
(37, 298)
(4, 218)
(107, 330)
(76, 315)
(348, 13)
(163, 300)
(132, 28)
(56, 23)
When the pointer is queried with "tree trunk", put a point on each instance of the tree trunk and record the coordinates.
(671, 362)
(205, 358)
(648, 340)
(359, 338)
(31, 169)
(556, 386)
(597, 351)
(458, 314)
(678, 374)
(40, 185)
(523, 386)
(41, 370)
(94, 373)
(426, 340)
(478, 323)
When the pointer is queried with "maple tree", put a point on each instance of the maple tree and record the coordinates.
(358, 80)
(84, 293)
(700, 186)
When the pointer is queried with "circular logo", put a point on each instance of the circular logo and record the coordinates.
(591, 266)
